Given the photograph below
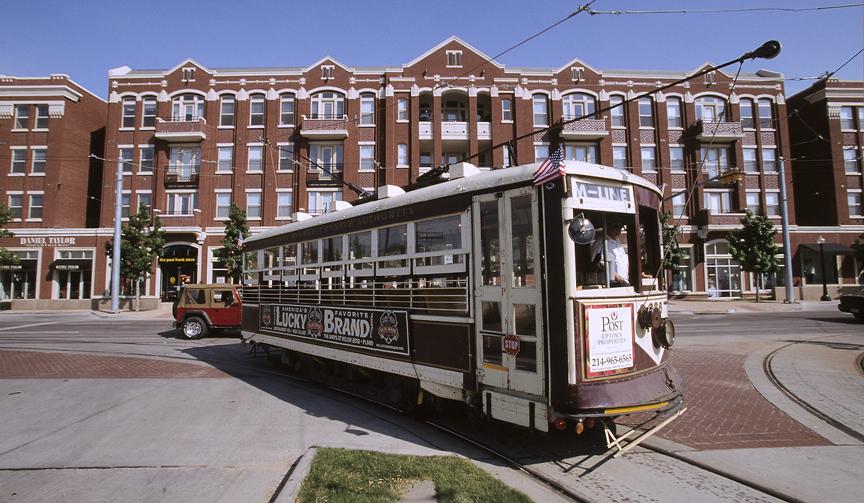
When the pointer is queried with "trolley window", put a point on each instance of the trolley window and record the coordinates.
(360, 254)
(606, 257)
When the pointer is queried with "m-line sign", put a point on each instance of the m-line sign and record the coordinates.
(599, 192)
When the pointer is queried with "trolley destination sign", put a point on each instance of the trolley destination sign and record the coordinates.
(375, 329)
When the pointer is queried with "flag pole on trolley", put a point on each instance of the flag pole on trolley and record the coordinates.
(551, 168)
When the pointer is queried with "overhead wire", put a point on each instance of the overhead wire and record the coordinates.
(723, 11)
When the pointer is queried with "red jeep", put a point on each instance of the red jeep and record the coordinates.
(201, 308)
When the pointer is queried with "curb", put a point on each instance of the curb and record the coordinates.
(289, 488)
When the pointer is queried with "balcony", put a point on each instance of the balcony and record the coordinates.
(585, 129)
(181, 130)
(323, 127)
(182, 175)
(425, 130)
(484, 130)
(454, 130)
(706, 218)
(719, 131)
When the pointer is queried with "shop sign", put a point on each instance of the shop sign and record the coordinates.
(10, 267)
(41, 241)
(373, 329)
(177, 260)
(67, 267)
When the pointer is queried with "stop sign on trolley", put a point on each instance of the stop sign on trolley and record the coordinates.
(512, 346)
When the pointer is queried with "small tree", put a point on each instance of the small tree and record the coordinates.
(231, 253)
(753, 246)
(140, 243)
(673, 255)
(6, 257)
(858, 246)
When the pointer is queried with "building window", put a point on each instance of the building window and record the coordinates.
(147, 154)
(327, 71)
(22, 116)
(541, 110)
(847, 120)
(256, 110)
(125, 203)
(34, 209)
(746, 107)
(37, 164)
(766, 115)
(750, 163)
(326, 157)
(710, 109)
(619, 157)
(617, 110)
(225, 160)
(189, 74)
(753, 203)
(676, 158)
(673, 112)
(769, 160)
(454, 59)
(20, 282)
(402, 154)
(719, 201)
(578, 105)
(42, 117)
(74, 283)
(128, 113)
(860, 117)
(367, 157)
(682, 277)
(223, 205)
(286, 157)
(19, 161)
(184, 161)
(577, 73)
(649, 161)
(321, 201)
(646, 112)
(187, 108)
(716, 160)
(283, 204)
(226, 111)
(586, 152)
(256, 159)
(679, 201)
(505, 151)
(182, 203)
(125, 159)
(541, 152)
(367, 109)
(853, 199)
(145, 200)
(850, 160)
(772, 204)
(328, 105)
(402, 109)
(148, 113)
(15, 203)
(454, 111)
(507, 110)
(286, 110)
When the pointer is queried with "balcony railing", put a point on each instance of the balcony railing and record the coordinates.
(425, 130)
(719, 131)
(454, 130)
(182, 174)
(585, 129)
(484, 130)
(706, 217)
(324, 127)
(180, 129)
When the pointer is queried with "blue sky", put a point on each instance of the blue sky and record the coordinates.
(86, 38)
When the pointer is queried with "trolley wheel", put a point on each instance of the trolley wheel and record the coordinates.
(859, 316)
(194, 327)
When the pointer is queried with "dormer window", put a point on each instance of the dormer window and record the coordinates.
(327, 71)
(577, 73)
(189, 74)
(710, 78)
(454, 59)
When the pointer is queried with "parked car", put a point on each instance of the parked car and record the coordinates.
(853, 303)
(170, 294)
(199, 309)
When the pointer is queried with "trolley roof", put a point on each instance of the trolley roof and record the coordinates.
(484, 181)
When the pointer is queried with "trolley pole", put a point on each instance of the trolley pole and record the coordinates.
(115, 258)
(787, 242)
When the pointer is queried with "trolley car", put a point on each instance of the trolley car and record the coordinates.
(484, 289)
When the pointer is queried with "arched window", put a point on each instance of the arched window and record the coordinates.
(673, 112)
(710, 109)
(618, 111)
(367, 108)
(328, 105)
(578, 105)
(188, 107)
(541, 110)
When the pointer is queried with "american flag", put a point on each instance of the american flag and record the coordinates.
(551, 168)
(240, 241)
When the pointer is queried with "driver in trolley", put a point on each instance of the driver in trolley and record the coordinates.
(616, 255)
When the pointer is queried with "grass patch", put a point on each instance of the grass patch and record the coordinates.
(342, 475)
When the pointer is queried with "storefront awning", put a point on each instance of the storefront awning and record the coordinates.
(71, 264)
(832, 248)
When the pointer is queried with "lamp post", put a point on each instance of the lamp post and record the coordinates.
(821, 242)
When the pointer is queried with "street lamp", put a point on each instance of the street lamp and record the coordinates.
(821, 242)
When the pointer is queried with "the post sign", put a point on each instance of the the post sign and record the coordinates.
(609, 338)
(374, 329)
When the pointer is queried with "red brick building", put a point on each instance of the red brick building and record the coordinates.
(49, 127)
(827, 132)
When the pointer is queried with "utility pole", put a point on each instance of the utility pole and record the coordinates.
(115, 258)
(787, 243)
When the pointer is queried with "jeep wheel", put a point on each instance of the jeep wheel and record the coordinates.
(194, 328)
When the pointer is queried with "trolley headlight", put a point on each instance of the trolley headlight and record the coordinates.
(664, 336)
(650, 317)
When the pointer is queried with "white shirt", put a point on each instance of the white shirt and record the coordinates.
(615, 256)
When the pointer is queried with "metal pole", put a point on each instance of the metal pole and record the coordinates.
(825, 296)
(115, 258)
(787, 242)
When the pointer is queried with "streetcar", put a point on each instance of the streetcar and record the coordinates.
(484, 289)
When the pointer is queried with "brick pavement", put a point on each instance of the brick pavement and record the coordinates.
(725, 411)
(48, 365)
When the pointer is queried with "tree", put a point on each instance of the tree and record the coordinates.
(753, 246)
(673, 255)
(858, 246)
(141, 242)
(6, 257)
(231, 253)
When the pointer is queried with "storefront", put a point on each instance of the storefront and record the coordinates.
(178, 266)
(18, 281)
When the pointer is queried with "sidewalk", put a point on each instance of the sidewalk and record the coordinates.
(746, 306)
